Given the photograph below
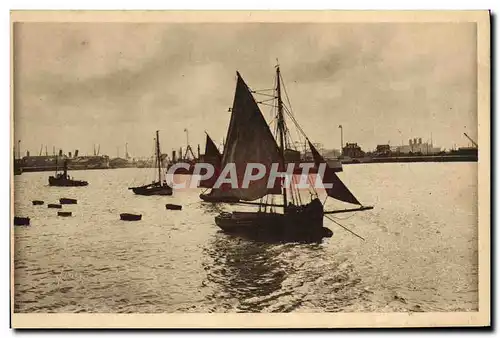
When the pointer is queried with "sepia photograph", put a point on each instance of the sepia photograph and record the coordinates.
(250, 169)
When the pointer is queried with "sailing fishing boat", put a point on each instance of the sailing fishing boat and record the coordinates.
(64, 180)
(157, 187)
(250, 140)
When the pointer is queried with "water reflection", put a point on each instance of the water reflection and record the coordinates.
(242, 271)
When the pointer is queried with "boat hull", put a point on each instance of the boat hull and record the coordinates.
(303, 224)
(130, 217)
(67, 201)
(64, 213)
(151, 190)
(63, 182)
(21, 221)
(214, 199)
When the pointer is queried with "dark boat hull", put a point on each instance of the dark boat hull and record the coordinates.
(214, 199)
(173, 207)
(150, 190)
(64, 213)
(301, 224)
(130, 217)
(63, 182)
(54, 206)
(21, 221)
(67, 201)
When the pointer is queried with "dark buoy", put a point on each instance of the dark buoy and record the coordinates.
(130, 217)
(64, 213)
(54, 206)
(21, 221)
(37, 202)
(67, 201)
(173, 207)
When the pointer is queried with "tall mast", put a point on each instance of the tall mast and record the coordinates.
(158, 155)
(281, 131)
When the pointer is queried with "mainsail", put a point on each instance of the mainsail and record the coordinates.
(248, 140)
(338, 190)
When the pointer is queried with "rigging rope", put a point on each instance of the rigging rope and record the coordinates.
(352, 232)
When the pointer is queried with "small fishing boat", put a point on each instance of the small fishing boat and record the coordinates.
(64, 180)
(130, 217)
(21, 220)
(64, 213)
(67, 201)
(54, 206)
(37, 202)
(173, 207)
(157, 187)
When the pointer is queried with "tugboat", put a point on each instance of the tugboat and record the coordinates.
(158, 187)
(250, 140)
(64, 180)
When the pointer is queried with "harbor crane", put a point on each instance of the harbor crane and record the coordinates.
(470, 139)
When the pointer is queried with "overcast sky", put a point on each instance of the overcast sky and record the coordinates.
(80, 84)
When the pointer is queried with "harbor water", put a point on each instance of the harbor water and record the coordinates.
(419, 253)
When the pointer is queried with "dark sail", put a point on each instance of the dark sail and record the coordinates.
(338, 190)
(211, 151)
(248, 140)
(213, 157)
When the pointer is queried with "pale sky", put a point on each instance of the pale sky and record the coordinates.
(80, 84)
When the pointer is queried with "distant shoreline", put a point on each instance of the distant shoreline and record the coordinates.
(413, 159)
(363, 160)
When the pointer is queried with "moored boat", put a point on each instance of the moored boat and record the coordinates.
(160, 187)
(64, 180)
(37, 202)
(64, 213)
(21, 220)
(54, 206)
(173, 207)
(67, 201)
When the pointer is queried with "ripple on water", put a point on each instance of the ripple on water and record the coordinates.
(420, 254)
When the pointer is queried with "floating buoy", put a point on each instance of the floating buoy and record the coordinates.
(37, 202)
(64, 213)
(173, 207)
(54, 206)
(21, 221)
(130, 217)
(67, 201)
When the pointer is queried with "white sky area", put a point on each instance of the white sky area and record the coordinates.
(80, 84)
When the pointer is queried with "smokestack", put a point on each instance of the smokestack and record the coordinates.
(27, 153)
(409, 141)
(415, 141)
(180, 152)
(420, 140)
(173, 156)
(69, 154)
(60, 152)
(76, 153)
